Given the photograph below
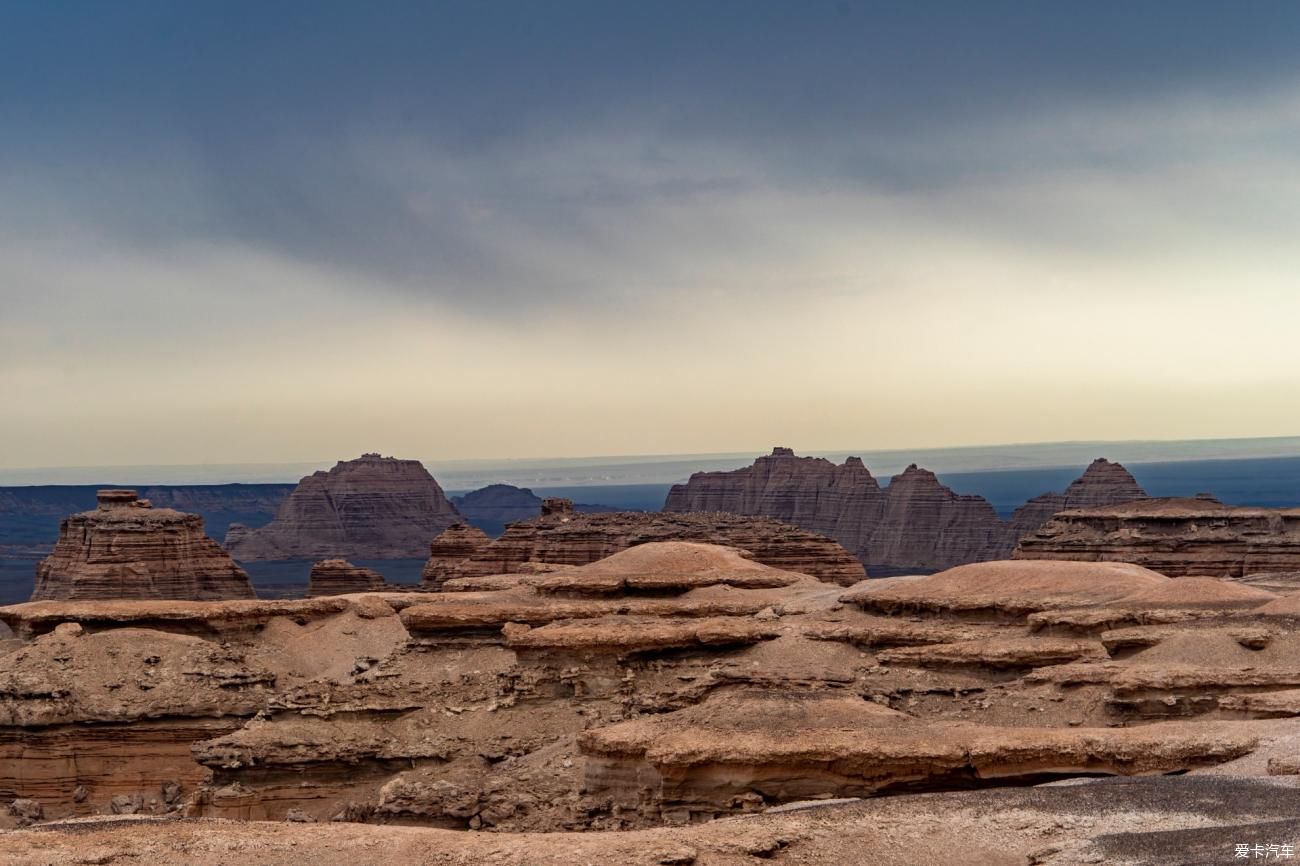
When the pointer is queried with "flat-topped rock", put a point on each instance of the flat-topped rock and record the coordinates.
(1008, 587)
(340, 577)
(370, 508)
(564, 537)
(36, 618)
(630, 634)
(996, 653)
(454, 545)
(783, 747)
(126, 549)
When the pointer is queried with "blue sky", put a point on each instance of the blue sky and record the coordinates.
(271, 230)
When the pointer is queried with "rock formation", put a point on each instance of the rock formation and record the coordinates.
(456, 544)
(1102, 483)
(369, 508)
(663, 686)
(563, 536)
(340, 577)
(1175, 537)
(126, 549)
(914, 524)
(494, 507)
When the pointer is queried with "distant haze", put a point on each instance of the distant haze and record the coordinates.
(662, 469)
(243, 232)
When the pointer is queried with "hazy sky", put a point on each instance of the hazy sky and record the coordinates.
(301, 230)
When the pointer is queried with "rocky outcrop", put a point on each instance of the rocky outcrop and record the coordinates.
(670, 683)
(454, 545)
(340, 577)
(370, 508)
(1174, 537)
(565, 537)
(1102, 483)
(915, 524)
(127, 549)
(494, 507)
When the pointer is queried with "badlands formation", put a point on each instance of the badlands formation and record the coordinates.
(126, 548)
(370, 508)
(562, 536)
(913, 524)
(1175, 537)
(678, 703)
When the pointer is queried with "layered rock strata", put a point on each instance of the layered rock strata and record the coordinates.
(1102, 484)
(340, 577)
(127, 549)
(669, 683)
(370, 508)
(1174, 537)
(454, 545)
(913, 524)
(565, 537)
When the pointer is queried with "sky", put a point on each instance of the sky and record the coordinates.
(256, 232)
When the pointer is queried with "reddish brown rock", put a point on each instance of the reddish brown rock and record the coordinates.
(925, 526)
(125, 548)
(914, 524)
(340, 577)
(454, 545)
(1102, 483)
(562, 536)
(370, 508)
(1175, 537)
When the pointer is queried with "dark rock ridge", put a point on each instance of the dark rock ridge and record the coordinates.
(491, 508)
(564, 537)
(127, 549)
(370, 508)
(914, 524)
(1176, 537)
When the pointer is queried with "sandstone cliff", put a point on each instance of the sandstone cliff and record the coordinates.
(369, 508)
(125, 548)
(1174, 536)
(914, 524)
(562, 536)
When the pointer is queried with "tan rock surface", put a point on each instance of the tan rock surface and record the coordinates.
(672, 682)
(563, 537)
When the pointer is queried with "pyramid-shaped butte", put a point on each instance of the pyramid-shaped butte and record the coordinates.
(126, 549)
